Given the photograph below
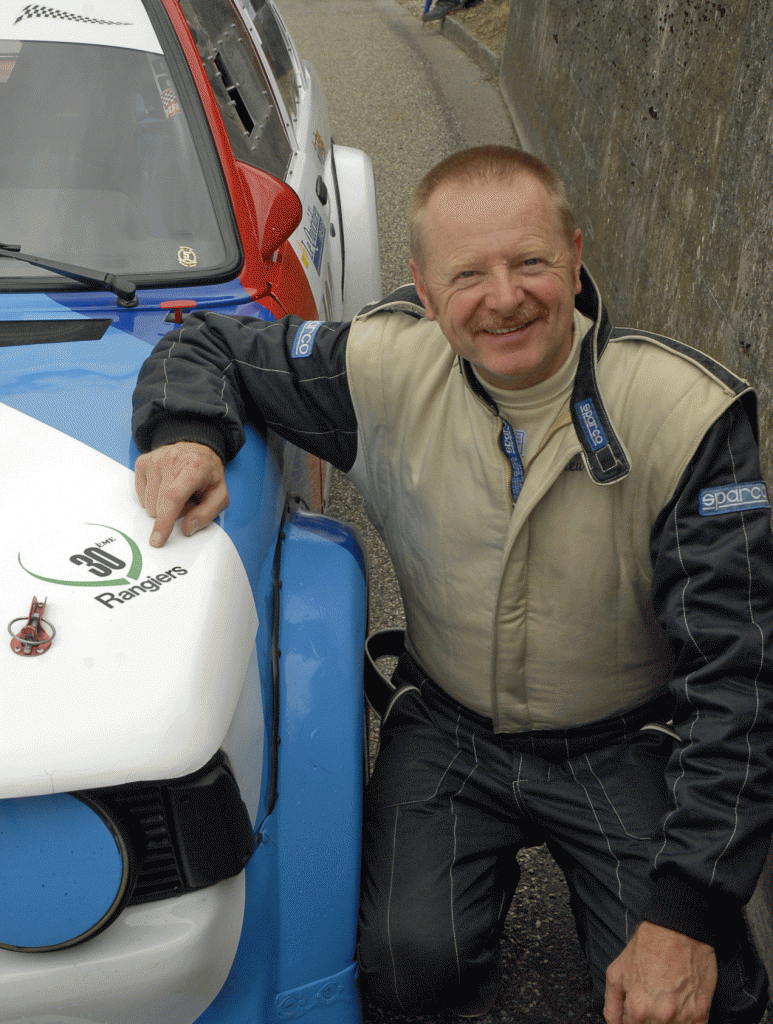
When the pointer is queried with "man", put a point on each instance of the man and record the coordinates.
(582, 539)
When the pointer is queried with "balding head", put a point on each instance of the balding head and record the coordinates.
(485, 165)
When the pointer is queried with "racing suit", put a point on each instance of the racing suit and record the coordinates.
(632, 579)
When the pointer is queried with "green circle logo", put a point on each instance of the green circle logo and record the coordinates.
(101, 563)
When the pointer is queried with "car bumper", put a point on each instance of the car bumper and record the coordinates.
(163, 961)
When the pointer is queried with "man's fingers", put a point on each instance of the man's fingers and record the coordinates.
(141, 479)
(186, 494)
(180, 479)
(168, 507)
(199, 513)
(661, 975)
(146, 482)
(613, 1003)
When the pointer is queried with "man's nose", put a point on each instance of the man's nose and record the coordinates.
(505, 291)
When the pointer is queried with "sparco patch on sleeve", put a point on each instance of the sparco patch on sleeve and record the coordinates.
(303, 343)
(714, 501)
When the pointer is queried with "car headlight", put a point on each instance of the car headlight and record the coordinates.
(64, 872)
(70, 862)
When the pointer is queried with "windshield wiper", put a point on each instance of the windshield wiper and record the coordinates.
(124, 289)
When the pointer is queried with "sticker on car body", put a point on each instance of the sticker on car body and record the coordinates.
(319, 145)
(94, 22)
(314, 234)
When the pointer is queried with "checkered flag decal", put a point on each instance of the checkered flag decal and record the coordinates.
(41, 11)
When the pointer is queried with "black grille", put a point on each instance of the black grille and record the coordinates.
(41, 332)
(182, 834)
(158, 873)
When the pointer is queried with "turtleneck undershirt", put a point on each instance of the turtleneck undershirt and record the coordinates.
(532, 411)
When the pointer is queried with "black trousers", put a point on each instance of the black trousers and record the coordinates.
(449, 805)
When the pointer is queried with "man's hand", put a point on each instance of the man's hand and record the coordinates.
(661, 977)
(183, 479)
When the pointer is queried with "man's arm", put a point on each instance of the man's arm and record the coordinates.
(205, 380)
(713, 595)
(712, 591)
(215, 373)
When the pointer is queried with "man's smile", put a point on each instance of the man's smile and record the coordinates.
(508, 330)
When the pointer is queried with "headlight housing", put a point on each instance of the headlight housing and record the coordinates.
(70, 862)
(64, 872)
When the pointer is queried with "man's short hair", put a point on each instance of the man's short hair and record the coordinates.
(483, 165)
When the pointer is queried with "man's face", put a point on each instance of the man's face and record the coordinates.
(500, 277)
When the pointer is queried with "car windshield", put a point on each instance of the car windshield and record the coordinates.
(98, 167)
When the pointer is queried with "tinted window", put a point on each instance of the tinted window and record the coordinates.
(250, 116)
(272, 39)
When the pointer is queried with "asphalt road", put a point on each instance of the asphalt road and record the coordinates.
(408, 97)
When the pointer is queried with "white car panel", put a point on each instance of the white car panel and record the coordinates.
(182, 948)
(97, 22)
(98, 705)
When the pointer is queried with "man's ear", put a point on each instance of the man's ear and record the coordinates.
(418, 281)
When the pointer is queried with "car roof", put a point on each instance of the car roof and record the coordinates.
(96, 22)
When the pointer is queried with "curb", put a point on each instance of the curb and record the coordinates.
(486, 59)
(455, 30)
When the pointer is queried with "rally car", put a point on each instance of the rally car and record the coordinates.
(181, 762)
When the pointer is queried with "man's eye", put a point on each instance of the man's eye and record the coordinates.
(533, 262)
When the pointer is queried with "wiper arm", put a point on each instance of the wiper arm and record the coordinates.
(124, 289)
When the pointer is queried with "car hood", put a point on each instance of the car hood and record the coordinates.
(81, 385)
(151, 646)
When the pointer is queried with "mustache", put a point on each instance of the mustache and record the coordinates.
(524, 316)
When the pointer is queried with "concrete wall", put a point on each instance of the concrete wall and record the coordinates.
(659, 114)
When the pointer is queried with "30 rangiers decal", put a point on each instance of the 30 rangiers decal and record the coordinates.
(104, 559)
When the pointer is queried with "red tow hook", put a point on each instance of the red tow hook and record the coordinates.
(178, 305)
(32, 638)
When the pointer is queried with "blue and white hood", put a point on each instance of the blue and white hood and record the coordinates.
(152, 646)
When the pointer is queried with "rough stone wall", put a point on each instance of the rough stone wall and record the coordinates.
(659, 114)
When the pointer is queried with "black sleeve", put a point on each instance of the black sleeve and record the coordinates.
(712, 588)
(214, 373)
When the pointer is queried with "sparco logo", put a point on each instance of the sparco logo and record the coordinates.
(590, 424)
(303, 344)
(733, 498)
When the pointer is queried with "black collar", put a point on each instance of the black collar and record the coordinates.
(604, 455)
